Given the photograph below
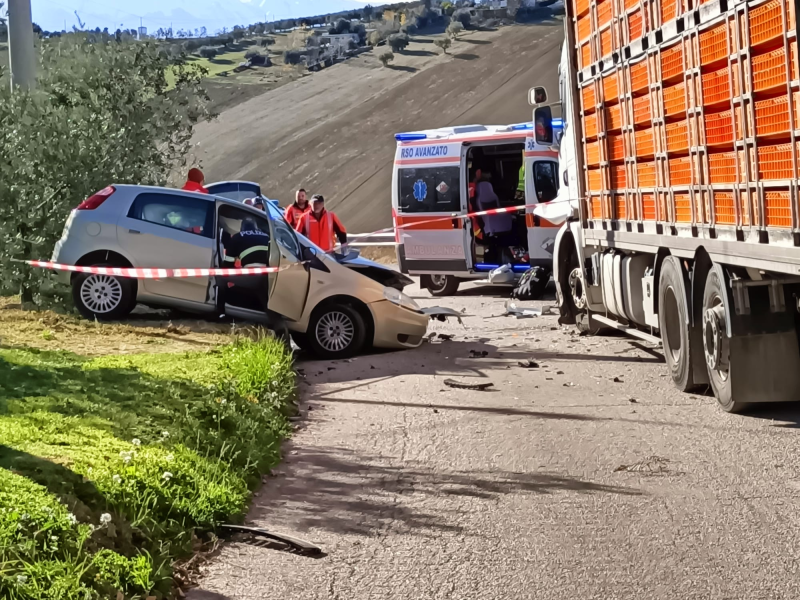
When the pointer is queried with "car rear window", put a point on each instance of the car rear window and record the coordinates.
(175, 212)
(434, 189)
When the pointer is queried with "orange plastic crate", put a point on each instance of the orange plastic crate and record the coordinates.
(769, 70)
(589, 98)
(586, 53)
(646, 174)
(616, 147)
(672, 62)
(613, 117)
(714, 44)
(607, 40)
(596, 207)
(619, 178)
(724, 208)
(675, 100)
(641, 110)
(766, 23)
(639, 77)
(719, 129)
(775, 162)
(620, 206)
(677, 137)
(645, 147)
(629, 4)
(649, 206)
(604, 12)
(590, 127)
(581, 7)
(584, 28)
(778, 211)
(593, 153)
(716, 87)
(723, 167)
(772, 115)
(635, 28)
(683, 208)
(595, 180)
(680, 171)
(610, 88)
(670, 9)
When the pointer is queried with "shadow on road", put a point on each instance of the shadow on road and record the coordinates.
(418, 53)
(403, 68)
(466, 56)
(340, 491)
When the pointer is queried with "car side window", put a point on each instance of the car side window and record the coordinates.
(285, 236)
(231, 219)
(175, 212)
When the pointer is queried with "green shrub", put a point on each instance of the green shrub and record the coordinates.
(398, 41)
(386, 57)
(208, 52)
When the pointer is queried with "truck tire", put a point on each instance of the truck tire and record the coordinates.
(673, 323)
(103, 297)
(716, 344)
(336, 331)
(440, 285)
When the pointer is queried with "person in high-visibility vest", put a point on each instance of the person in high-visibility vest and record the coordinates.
(321, 226)
(473, 206)
(195, 181)
(296, 211)
(520, 195)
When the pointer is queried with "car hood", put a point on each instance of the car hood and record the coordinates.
(375, 271)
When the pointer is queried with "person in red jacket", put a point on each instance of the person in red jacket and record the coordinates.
(322, 227)
(195, 181)
(300, 207)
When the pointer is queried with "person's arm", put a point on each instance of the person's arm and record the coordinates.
(300, 225)
(339, 230)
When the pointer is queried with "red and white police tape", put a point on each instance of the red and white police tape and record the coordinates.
(139, 273)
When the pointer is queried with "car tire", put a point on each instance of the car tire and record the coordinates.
(103, 297)
(440, 285)
(336, 331)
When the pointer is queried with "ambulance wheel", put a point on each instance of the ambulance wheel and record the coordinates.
(336, 331)
(440, 285)
(103, 297)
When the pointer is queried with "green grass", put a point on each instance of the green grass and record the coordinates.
(109, 466)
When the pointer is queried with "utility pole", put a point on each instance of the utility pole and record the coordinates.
(20, 44)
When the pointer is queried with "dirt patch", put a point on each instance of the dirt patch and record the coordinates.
(144, 331)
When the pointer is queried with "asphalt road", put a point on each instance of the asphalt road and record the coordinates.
(588, 477)
(333, 132)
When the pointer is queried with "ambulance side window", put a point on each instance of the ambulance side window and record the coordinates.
(545, 180)
(426, 190)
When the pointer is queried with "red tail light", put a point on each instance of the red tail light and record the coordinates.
(97, 199)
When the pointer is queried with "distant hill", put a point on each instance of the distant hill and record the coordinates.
(179, 14)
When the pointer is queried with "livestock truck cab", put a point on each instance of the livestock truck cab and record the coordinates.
(680, 207)
(440, 176)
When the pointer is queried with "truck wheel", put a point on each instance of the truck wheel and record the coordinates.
(716, 344)
(440, 285)
(336, 331)
(672, 321)
(103, 297)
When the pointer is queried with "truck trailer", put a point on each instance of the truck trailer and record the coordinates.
(679, 186)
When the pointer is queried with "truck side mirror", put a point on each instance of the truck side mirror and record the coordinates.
(536, 96)
(543, 125)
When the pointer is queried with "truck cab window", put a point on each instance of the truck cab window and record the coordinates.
(545, 180)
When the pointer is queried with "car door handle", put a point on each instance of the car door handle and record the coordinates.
(134, 231)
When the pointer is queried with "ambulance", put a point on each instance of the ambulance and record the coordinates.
(435, 175)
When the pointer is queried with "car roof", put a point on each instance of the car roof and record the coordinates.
(198, 195)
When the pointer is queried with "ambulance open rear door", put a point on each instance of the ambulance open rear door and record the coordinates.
(430, 193)
(541, 185)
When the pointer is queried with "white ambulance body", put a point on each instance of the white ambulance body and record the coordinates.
(433, 173)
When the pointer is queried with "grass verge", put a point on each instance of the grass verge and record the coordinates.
(110, 466)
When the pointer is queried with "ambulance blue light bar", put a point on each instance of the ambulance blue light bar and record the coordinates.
(557, 123)
(521, 126)
(410, 137)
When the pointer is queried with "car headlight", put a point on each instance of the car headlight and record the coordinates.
(399, 298)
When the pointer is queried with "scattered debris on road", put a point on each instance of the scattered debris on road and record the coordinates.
(478, 353)
(461, 385)
(528, 364)
(651, 464)
(513, 309)
(618, 380)
(300, 546)
(633, 401)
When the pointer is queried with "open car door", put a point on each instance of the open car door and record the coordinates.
(288, 288)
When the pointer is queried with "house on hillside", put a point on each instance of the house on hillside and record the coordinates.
(397, 16)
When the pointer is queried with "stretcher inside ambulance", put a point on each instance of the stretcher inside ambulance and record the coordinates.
(443, 175)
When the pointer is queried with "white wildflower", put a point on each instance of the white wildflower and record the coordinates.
(223, 401)
(136, 442)
(116, 479)
(170, 458)
(105, 519)
(25, 516)
(165, 434)
(126, 456)
(53, 538)
(72, 518)
(166, 476)
(22, 579)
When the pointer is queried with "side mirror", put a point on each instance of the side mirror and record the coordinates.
(536, 96)
(543, 125)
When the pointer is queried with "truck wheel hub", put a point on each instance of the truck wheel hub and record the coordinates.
(576, 289)
(715, 340)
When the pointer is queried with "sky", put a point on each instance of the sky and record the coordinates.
(54, 15)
